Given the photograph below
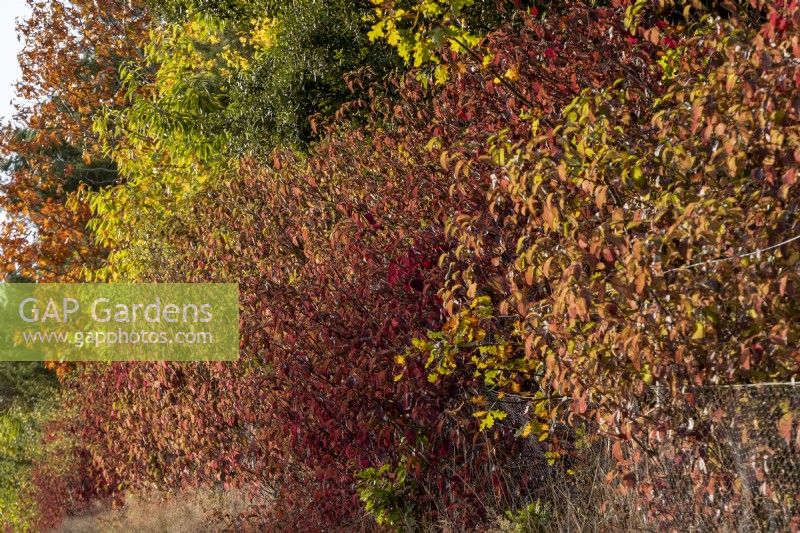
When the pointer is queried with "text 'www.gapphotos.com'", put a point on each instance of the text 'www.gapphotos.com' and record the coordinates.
(97, 339)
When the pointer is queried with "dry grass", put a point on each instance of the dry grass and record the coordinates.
(195, 512)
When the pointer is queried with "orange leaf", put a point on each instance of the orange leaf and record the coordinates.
(785, 427)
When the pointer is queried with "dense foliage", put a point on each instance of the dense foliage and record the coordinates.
(27, 394)
(69, 69)
(554, 230)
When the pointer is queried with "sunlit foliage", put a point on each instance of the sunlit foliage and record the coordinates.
(554, 227)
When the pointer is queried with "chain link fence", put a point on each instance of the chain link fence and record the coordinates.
(747, 475)
(731, 462)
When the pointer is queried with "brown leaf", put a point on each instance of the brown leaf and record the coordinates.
(580, 405)
(600, 196)
(641, 281)
(616, 452)
(785, 427)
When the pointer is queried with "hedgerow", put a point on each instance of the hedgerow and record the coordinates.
(553, 234)
(639, 245)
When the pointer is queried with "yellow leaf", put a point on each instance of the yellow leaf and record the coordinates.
(699, 331)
